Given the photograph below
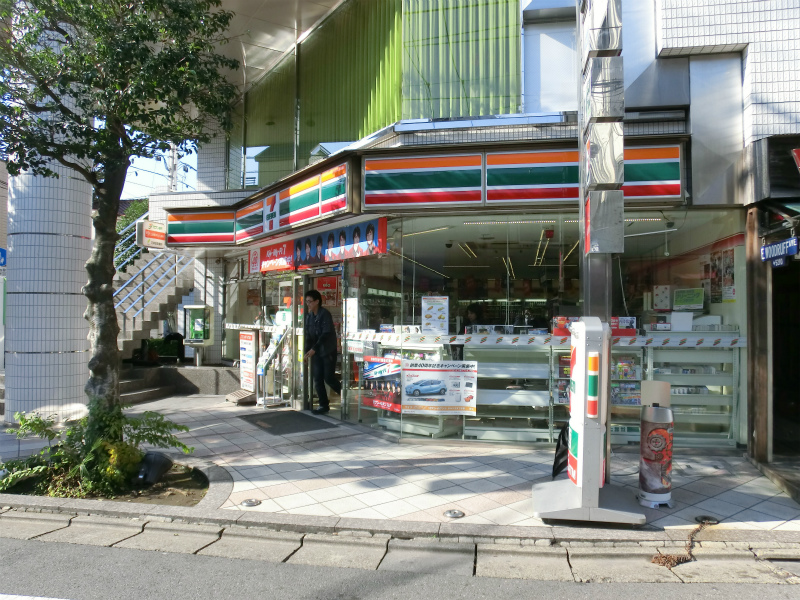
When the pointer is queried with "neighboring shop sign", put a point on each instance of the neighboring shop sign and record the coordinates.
(149, 234)
(439, 388)
(796, 157)
(247, 360)
(208, 227)
(435, 314)
(354, 241)
(381, 383)
(277, 257)
(778, 251)
(320, 195)
(250, 221)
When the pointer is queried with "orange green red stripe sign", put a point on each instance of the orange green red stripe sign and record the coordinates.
(250, 221)
(211, 227)
(424, 181)
(333, 191)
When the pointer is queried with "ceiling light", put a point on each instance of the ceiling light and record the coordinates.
(505, 222)
(467, 250)
(642, 220)
(418, 263)
(467, 266)
(426, 231)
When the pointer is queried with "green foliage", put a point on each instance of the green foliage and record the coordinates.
(127, 250)
(91, 84)
(77, 465)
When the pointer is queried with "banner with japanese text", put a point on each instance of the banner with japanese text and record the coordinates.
(439, 387)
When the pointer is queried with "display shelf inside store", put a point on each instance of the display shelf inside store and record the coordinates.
(434, 427)
(709, 399)
(511, 412)
(516, 431)
(514, 371)
(707, 379)
(531, 398)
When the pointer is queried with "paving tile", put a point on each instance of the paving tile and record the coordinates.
(375, 497)
(405, 490)
(278, 491)
(344, 505)
(482, 486)
(783, 511)
(254, 544)
(455, 493)
(295, 501)
(312, 509)
(266, 505)
(394, 509)
(504, 515)
(340, 551)
(363, 513)
(738, 498)
(327, 493)
(718, 507)
(754, 520)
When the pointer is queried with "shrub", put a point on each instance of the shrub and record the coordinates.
(72, 466)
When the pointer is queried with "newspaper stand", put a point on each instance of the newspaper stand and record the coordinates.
(587, 495)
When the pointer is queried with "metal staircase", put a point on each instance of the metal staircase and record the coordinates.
(151, 285)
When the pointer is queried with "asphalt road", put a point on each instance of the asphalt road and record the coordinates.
(75, 572)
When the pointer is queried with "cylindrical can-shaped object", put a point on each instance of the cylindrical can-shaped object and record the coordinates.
(655, 461)
(592, 384)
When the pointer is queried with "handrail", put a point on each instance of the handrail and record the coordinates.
(168, 264)
(124, 285)
(171, 279)
(137, 250)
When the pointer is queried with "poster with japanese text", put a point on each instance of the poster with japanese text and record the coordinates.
(381, 383)
(247, 360)
(439, 387)
(435, 314)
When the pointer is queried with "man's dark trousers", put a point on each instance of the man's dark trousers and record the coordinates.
(323, 370)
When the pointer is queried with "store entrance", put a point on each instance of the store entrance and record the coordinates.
(785, 333)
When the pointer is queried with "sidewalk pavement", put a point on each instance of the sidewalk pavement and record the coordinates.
(348, 473)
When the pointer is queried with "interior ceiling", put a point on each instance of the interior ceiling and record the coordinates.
(262, 30)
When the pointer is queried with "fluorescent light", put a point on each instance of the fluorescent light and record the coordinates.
(642, 220)
(467, 250)
(418, 263)
(467, 266)
(426, 231)
(505, 222)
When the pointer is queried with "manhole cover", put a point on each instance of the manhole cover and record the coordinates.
(707, 519)
(453, 514)
(251, 502)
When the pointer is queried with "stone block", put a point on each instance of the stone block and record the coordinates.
(618, 565)
(423, 556)
(173, 537)
(95, 531)
(529, 562)
(285, 522)
(726, 566)
(27, 525)
(346, 551)
(398, 528)
(254, 544)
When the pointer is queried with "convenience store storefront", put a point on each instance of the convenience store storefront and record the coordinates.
(493, 233)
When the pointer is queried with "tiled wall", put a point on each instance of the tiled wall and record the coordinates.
(766, 31)
(208, 286)
(49, 240)
(3, 205)
(161, 201)
(211, 165)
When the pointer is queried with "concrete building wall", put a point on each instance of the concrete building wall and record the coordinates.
(765, 32)
(3, 205)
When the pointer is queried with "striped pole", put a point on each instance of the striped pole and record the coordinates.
(592, 384)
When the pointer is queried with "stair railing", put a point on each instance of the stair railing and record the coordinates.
(126, 249)
(138, 292)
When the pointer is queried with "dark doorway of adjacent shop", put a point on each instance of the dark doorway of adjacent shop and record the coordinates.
(785, 337)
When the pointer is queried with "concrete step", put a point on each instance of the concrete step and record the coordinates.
(131, 385)
(147, 394)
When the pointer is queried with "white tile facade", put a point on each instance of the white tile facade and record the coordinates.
(49, 240)
(766, 31)
(211, 165)
(3, 205)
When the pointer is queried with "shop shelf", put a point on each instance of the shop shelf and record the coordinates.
(514, 371)
(506, 434)
(692, 356)
(717, 379)
(512, 412)
(514, 397)
(701, 399)
(414, 426)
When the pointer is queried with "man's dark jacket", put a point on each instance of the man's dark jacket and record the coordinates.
(319, 333)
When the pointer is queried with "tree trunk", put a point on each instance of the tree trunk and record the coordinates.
(104, 364)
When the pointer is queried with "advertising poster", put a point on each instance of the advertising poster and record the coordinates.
(715, 274)
(381, 383)
(435, 314)
(439, 388)
(247, 360)
(728, 283)
(277, 257)
(328, 287)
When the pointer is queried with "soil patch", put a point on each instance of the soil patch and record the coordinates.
(180, 486)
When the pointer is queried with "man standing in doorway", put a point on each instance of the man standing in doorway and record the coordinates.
(320, 348)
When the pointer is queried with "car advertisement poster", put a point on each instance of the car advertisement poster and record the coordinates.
(435, 314)
(381, 383)
(439, 388)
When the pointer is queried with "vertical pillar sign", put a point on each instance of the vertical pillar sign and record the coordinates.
(585, 496)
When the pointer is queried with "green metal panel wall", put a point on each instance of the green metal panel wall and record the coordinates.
(270, 121)
(350, 74)
(461, 58)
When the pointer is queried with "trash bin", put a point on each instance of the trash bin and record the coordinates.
(655, 458)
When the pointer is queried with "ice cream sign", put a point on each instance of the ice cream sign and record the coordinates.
(778, 251)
